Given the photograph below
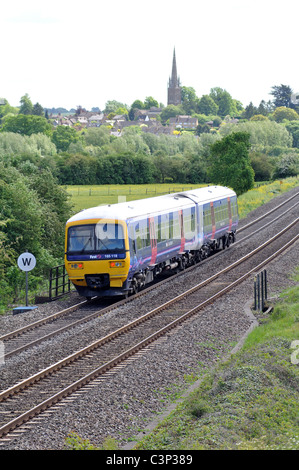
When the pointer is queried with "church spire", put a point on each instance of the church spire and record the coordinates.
(174, 82)
(174, 90)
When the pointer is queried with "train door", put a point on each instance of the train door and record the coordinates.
(153, 240)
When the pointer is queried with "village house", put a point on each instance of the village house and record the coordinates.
(183, 122)
(96, 120)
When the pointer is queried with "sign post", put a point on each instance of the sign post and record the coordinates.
(26, 262)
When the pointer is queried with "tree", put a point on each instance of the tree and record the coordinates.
(97, 136)
(63, 136)
(264, 135)
(226, 105)
(7, 109)
(282, 95)
(207, 106)
(26, 105)
(283, 112)
(112, 105)
(265, 108)
(229, 164)
(262, 166)
(150, 102)
(287, 166)
(137, 104)
(189, 100)
(250, 111)
(26, 124)
(38, 110)
(259, 117)
(202, 128)
(293, 128)
(170, 111)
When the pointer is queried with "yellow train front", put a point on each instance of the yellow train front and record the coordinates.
(97, 256)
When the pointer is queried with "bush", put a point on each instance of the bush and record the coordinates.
(287, 166)
(263, 168)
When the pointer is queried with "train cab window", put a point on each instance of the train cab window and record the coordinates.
(96, 238)
(80, 238)
(109, 237)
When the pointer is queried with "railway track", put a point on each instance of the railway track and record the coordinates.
(51, 385)
(85, 311)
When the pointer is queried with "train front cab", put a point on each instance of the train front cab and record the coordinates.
(97, 257)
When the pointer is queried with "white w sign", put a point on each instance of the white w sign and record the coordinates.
(26, 261)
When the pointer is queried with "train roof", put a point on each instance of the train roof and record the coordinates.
(141, 207)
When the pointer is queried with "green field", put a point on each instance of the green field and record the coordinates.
(83, 197)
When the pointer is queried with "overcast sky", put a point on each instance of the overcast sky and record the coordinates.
(67, 53)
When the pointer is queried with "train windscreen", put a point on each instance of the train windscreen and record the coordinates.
(96, 238)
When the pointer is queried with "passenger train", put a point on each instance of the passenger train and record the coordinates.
(117, 249)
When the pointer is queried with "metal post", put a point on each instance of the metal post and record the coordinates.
(50, 284)
(258, 293)
(262, 290)
(266, 287)
(26, 289)
(56, 286)
(255, 306)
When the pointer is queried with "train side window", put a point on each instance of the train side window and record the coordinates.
(171, 225)
(148, 237)
(176, 226)
(207, 218)
(158, 234)
(138, 238)
(165, 226)
(193, 220)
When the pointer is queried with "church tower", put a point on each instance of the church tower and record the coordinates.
(174, 88)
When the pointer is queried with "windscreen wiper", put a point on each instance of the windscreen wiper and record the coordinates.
(83, 249)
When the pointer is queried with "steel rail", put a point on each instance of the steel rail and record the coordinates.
(17, 421)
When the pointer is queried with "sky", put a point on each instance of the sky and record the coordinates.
(71, 53)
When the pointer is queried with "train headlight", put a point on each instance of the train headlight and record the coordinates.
(116, 264)
(76, 265)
